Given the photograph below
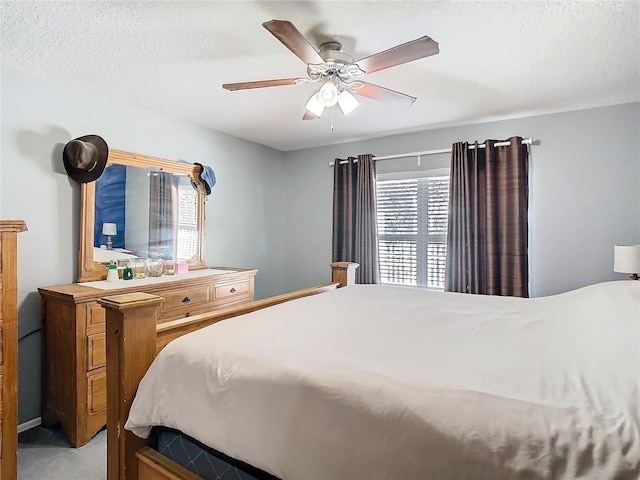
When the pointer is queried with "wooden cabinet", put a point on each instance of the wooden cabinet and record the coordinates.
(74, 372)
(9, 347)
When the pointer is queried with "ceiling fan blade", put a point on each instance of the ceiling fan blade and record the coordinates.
(291, 38)
(385, 95)
(259, 84)
(309, 116)
(407, 52)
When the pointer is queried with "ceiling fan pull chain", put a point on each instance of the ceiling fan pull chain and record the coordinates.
(332, 119)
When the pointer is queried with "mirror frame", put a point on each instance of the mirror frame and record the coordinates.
(88, 270)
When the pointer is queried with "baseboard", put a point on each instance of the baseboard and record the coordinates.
(30, 424)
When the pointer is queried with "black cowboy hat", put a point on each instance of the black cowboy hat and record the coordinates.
(85, 158)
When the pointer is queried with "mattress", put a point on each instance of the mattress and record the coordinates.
(388, 382)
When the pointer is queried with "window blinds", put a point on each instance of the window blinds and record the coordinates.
(412, 229)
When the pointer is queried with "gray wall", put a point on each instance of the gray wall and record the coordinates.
(245, 219)
(584, 195)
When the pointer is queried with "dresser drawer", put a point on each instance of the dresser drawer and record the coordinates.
(96, 351)
(96, 315)
(188, 297)
(97, 392)
(230, 290)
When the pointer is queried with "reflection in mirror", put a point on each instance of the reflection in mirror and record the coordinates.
(155, 213)
(135, 234)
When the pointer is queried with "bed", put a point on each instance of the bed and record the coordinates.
(388, 382)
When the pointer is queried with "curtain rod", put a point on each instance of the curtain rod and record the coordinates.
(526, 141)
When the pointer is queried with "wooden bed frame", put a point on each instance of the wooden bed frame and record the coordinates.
(133, 341)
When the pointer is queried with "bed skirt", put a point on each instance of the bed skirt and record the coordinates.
(204, 461)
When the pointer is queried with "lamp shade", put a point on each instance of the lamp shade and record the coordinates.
(626, 259)
(109, 229)
(347, 102)
(328, 94)
(314, 105)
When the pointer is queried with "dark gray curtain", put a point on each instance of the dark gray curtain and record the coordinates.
(355, 229)
(163, 214)
(487, 236)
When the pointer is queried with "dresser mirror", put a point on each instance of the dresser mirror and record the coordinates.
(141, 207)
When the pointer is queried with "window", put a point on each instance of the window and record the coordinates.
(412, 229)
(187, 220)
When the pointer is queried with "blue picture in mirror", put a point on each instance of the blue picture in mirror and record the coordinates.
(110, 204)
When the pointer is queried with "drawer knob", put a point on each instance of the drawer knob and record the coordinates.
(186, 300)
(233, 290)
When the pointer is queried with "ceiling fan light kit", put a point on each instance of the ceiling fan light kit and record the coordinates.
(338, 72)
(328, 98)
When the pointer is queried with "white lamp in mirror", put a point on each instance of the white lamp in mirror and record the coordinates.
(110, 230)
(626, 259)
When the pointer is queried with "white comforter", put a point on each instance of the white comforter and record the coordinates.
(384, 382)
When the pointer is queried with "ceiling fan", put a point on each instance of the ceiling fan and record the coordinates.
(339, 74)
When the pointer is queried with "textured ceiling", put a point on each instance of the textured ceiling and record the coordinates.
(497, 59)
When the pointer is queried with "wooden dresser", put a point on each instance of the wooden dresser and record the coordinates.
(74, 373)
(9, 230)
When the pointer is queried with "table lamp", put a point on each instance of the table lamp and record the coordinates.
(110, 230)
(626, 259)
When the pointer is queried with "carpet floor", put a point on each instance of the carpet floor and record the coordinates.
(45, 454)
